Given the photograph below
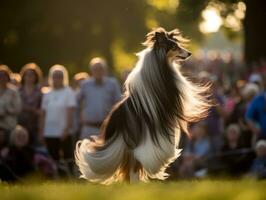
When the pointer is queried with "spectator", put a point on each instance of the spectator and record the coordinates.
(10, 105)
(77, 80)
(231, 99)
(18, 157)
(234, 159)
(196, 151)
(258, 168)
(256, 116)
(31, 97)
(232, 138)
(216, 115)
(256, 79)
(97, 95)
(238, 114)
(57, 115)
(15, 79)
(76, 83)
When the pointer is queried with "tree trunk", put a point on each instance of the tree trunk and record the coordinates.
(255, 31)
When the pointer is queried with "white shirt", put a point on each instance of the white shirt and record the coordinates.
(55, 104)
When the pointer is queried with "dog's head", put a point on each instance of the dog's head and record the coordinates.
(171, 42)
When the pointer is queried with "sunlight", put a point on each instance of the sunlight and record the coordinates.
(211, 20)
(164, 5)
(233, 22)
(151, 22)
(122, 59)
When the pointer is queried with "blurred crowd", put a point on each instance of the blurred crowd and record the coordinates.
(41, 118)
(231, 141)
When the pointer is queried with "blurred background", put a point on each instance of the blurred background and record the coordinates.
(72, 32)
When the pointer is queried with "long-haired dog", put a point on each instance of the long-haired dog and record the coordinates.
(140, 136)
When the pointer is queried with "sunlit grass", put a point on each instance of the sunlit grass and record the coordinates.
(182, 190)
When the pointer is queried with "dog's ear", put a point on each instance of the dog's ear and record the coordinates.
(174, 33)
(160, 37)
(157, 36)
(177, 36)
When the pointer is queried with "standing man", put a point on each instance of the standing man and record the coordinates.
(256, 116)
(97, 96)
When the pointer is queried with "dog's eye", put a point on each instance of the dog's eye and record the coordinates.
(174, 48)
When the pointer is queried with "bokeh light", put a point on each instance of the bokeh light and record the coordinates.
(211, 20)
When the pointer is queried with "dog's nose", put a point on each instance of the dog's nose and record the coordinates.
(189, 54)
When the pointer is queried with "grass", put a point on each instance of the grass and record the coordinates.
(180, 190)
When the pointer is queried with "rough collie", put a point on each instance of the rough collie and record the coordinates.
(140, 136)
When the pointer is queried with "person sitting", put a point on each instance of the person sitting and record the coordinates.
(18, 157)
(232, 138)
(258, 168)
(235, 160)
(196, 151)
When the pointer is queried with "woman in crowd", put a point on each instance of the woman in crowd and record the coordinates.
(10, 105)
(258, 167)
(57, 115)
(18, 157)
(31, 96)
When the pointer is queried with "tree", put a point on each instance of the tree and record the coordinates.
(67, 32)
(254, 23)
(255, 30)
(71, 32)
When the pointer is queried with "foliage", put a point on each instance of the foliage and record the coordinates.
(71, 32)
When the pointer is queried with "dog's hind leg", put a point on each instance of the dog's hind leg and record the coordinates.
(131, 168)
(134, 176)
(135, 170)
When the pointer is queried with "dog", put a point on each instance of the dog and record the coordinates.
(140, 136)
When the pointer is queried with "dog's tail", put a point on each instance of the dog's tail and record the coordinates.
(100, 161)
(113, 161)
(124, 153)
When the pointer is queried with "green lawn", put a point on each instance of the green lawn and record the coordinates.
(181, 190)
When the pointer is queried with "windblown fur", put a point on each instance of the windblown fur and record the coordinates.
(140, 137)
